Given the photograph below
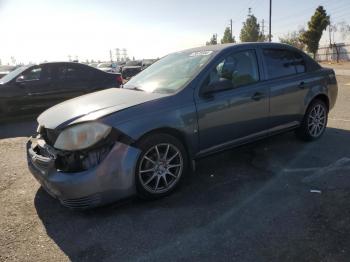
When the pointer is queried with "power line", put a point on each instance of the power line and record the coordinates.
(270, 21)
(308, 12)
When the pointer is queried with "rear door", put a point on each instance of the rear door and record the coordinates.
(71, 80)
(101, 80)
(76, 79)
(286, 77)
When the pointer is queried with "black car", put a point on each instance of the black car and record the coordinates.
(132, 68)
(28, 90)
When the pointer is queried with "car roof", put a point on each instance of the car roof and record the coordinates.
(62, 63)
(221, 47)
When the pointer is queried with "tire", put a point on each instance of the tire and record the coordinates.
(314, 124)
(160, 167)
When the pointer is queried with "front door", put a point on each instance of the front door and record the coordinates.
(38, 85)
(236, 109)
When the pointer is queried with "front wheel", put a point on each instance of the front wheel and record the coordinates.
(315, 121)
(161, 166)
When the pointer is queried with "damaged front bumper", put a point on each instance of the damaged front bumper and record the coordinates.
(112, 179)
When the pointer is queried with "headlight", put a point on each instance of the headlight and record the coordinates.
(81, 136)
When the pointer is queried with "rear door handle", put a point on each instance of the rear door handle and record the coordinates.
(257, 96)
(302, 85)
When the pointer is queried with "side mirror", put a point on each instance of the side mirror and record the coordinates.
(20, 79)
(217, 86)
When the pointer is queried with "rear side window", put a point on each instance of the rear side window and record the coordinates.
(279, 63)
(72, 73)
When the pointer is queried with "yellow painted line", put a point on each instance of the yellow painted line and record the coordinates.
(339, 119)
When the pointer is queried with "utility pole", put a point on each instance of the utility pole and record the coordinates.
(231, 29)
(117, 53)
(270, 21)
(111, 55)
(263, 27)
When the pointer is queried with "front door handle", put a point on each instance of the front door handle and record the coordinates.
(257, 96)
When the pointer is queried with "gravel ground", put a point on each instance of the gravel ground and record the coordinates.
(252, 203)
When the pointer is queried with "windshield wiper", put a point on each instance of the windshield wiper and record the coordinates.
(135, 88)
(138, 89)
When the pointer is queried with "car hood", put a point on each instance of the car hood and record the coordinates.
(93, 106)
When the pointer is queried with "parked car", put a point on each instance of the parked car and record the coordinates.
(132, 68)
(31, 89)
(94, 64)
(109, 67)
(4, 70)
(147, 62)
(142, 139)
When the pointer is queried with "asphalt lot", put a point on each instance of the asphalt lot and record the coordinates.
(253, 203)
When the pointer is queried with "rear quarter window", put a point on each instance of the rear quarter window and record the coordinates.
(299, 63)
(311, 65)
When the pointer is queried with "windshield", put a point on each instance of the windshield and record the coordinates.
(13, 74)
(169, 74)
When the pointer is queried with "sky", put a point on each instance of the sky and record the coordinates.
(44, 30)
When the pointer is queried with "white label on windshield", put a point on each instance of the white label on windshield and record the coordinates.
(201, 53)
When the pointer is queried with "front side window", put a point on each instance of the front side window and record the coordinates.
(279, 63)
(234, 71)
(33, 74)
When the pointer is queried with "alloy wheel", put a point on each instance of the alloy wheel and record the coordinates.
(160, 168)
(317, 120)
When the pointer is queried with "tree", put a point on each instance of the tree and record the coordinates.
(293, 39)
(317, 24)
(228, 38)
(250, 31)
(213, 40)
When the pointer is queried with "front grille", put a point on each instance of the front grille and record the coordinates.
(83, 202)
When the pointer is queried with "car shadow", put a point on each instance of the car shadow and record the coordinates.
(23, 127)
(238, 204)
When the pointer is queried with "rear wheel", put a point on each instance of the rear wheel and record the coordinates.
(315, 121)
(161, 166)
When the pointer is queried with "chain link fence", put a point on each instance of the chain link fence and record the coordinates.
(334, 52)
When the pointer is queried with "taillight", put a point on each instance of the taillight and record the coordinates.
(119, 80)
